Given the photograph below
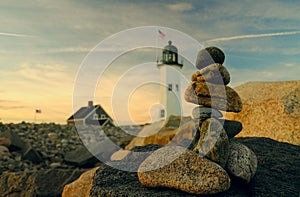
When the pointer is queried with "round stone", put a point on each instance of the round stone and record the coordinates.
(209, 55)
(242, 162)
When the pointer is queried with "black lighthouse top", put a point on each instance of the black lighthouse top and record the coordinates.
(170, 55)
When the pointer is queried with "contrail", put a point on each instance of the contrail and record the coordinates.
(16, 35)
(224, 39)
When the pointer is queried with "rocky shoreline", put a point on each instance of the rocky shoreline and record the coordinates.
(277, 172)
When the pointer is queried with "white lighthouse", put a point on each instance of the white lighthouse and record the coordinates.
(170, 79)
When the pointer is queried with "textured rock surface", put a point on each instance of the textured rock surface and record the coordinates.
(232, 127)
(242, 162)
(209, 55)
(186, 131)
(215, 96)
(83, 157)
(214, 73)
(187, 172)
(270, 109)
(82, 186)
(158, 135)
(213, 142)
(37, 183)
(203, 113)
(277, 174)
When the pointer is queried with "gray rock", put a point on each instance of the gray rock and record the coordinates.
(178, 168)
(242, 162)
(100, 152)
(213, 142)
(32, 155)
(16, 144)
(37, 183)
(232, 127)
(4, 151)
(208, 56)
(201, 112)
(277, 174)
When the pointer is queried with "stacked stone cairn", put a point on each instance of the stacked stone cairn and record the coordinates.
(212, 160)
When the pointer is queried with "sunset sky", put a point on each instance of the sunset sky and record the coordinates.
(44, 43)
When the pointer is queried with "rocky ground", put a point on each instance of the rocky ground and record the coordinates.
(52, 142)
(278, 171)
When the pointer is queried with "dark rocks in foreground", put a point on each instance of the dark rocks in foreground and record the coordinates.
(37, 183)
(278, 174)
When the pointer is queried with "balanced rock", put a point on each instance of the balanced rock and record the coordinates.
(214, 73)
(213, 142)
(203, 113)
(232, 128)
(216, 96)
(242, 162)
(209, 55)
(187, 172)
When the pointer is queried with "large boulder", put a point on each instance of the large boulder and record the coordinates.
(92, 154)
(270, 109)
(277, 174)
(160, 132)
(178, 168)
(82, 186)
(36, 183)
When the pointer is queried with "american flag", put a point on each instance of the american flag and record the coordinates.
(161, 34)
(38, 111)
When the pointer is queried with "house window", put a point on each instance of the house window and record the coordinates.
(95, 116)
(162, 113)
(170, 87)
(177, 87)
(102, 116)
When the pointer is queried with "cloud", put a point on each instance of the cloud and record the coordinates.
(12, 107)
(16, 35)
(224, 39)
(181, 7)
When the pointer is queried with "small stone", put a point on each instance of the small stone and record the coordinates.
(242, 162)
(214, 73)
(178, 168)
(55, 165)
(52, 135)
(203, 113)
(232, 128)
(213, 142)
(4, 151)
(209, 55)
(216, 96)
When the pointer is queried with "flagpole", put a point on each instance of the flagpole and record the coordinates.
(156, 43)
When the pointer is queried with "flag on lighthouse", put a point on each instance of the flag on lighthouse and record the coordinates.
(161, 34)
(38, 111)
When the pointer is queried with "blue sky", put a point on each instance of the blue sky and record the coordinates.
(43, 44)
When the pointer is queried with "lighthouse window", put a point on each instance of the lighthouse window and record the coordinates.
(162, 113)
(174, 58)
(177, 87)
(170, 87)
